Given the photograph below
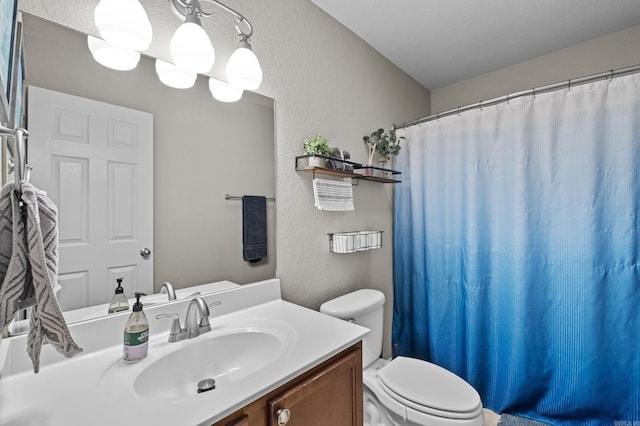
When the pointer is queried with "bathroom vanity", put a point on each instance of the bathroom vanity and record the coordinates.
(329, 394)
(269, 359)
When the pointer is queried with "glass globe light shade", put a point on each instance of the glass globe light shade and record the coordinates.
(174, 76)
(191, 48)
(123, 23)
(243, 69)
(112, 56)
(224, 92)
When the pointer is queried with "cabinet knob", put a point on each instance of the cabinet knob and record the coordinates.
(283, 415)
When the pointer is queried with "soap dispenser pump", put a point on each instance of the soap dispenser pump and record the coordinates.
(119, 302)
(136, 333)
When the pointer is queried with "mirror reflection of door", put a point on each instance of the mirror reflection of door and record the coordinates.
(95, 161)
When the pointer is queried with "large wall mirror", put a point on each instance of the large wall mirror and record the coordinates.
(202, 150)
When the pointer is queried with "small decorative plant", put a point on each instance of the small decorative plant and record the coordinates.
(317, 145)
(384, 144)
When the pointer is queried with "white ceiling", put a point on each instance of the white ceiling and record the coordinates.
(440, 42)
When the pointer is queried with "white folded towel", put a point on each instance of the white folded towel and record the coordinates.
(333, 195)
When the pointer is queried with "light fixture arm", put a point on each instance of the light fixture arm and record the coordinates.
(184, 8)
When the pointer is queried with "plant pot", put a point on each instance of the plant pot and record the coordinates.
(384, 163)
(317, 162)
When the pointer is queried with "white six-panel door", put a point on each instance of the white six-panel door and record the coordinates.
(95, 161)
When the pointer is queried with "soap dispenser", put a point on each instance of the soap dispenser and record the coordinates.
(119, 302)
(136, 333)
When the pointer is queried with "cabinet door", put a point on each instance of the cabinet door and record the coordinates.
(242, 421)
(333, 397)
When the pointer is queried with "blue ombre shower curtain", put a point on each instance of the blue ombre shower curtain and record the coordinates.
(516, 252)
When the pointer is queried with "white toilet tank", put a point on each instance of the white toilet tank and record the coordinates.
(365, 308)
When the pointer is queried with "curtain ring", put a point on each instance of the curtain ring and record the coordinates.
(611, 78)
(534, 92)
(507, 99)
(438, 117)
(458, 111)
(480, 105)
(569, 84)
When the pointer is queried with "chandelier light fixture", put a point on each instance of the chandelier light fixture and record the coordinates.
(126, 31)
(174, 76)
(224, 92)
(243, 68)
(112, 56)
(123, 23)
(190, 46)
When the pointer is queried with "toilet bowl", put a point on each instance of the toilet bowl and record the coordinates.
(403, 391)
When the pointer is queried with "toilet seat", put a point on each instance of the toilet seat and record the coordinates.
(429, 389)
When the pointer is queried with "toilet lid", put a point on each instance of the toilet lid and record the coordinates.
(428, 385)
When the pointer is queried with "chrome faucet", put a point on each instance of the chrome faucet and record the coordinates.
(197, 323)
(168, 288)
(196, 320)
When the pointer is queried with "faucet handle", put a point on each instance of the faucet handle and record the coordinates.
(204, 322)
(204, 319)
(204, 325)
(176, 328)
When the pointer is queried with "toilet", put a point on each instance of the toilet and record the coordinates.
(403, 391)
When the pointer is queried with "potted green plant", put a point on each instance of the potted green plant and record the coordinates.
(385, 145)
(317, 145)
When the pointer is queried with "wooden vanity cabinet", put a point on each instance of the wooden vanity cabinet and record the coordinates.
(329, 394)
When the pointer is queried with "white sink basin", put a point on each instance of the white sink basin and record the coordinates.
(226, 358)
(230, 354)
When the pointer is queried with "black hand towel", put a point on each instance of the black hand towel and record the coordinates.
(254, 228)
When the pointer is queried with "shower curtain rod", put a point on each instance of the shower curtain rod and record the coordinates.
(549, 88)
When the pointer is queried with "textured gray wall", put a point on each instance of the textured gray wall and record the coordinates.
(325, 80)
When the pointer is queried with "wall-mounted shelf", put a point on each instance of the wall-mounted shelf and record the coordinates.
(352, 242)
(359, 172)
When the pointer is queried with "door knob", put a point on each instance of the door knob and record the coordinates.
(145, 252)
(283, 416)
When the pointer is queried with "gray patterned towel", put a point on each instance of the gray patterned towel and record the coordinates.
(39, 250)
(13, 256)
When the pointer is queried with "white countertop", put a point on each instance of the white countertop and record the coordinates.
(74, 392)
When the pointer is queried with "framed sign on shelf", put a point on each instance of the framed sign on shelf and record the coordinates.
(8, 10)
